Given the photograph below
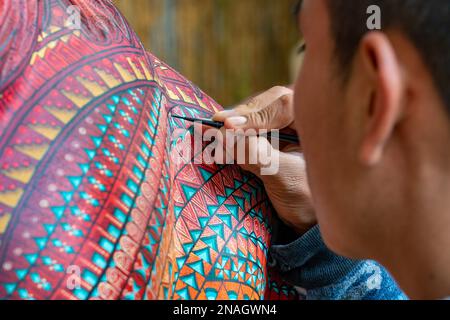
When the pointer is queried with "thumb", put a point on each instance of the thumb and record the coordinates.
(277, 115)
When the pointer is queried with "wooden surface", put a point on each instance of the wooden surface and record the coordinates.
(230, 48)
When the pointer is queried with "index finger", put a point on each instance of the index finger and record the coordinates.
(254, 104)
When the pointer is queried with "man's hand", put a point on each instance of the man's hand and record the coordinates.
(288, 189)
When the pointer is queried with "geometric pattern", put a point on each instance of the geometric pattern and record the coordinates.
(92, 203)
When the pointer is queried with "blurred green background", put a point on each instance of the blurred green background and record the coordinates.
(229, 48)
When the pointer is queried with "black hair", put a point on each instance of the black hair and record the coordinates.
(425, 22)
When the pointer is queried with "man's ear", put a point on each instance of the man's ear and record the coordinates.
(383, 107)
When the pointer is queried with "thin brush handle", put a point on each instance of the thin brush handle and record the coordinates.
(218, 125)
(209, 123)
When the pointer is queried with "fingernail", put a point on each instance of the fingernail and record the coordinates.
(224, 114)
(237, 121)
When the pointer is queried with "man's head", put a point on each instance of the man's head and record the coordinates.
(424, 23)
(373, 113)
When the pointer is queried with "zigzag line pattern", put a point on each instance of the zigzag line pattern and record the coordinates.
(93, 204)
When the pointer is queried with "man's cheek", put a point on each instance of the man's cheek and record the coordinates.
(302, 99)
(304, 117)
(298, 103)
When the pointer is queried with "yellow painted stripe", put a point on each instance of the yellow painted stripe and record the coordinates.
(63, 115)
(136, 70)
(11, 198)
(79, 100)
(4, 221)
(34, 151)
(93, 87)
(47, 131)
(109, 79)
(126, 76)
(23, 175)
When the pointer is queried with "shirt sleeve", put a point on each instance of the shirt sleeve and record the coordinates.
(319, 274)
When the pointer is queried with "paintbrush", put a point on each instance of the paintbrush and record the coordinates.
(218, 125)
